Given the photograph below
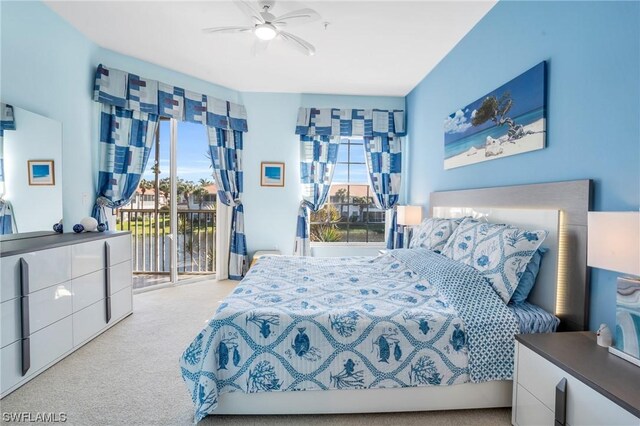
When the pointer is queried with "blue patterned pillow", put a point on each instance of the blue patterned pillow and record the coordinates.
(433, 233)
(500, 252)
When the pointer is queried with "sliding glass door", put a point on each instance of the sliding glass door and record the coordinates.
(172, 217)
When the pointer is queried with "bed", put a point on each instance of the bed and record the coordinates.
(417, 330)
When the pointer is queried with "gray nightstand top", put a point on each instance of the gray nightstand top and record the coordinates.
(578, 354)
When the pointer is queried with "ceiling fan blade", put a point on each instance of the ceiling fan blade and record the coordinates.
(249, 10)
(227, 29)
(259, 47)
(297, 17)
(303, 46)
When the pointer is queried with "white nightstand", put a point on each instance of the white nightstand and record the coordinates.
(567, 379)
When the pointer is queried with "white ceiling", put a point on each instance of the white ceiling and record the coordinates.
(368, 48)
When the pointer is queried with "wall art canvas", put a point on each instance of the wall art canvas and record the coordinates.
(627, 336)
(41, 172)
(272, 174)
(508, 121)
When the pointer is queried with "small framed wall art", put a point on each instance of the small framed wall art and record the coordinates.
(272, 174)
(41, 172)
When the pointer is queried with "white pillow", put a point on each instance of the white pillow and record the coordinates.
(433, 233)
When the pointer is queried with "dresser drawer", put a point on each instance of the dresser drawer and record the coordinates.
(88, 289)
(92, 320)
(121, 304)
(45, 307)
(585, 406)
(47, 345)
(530, 411)
(46, 268)
(89, 322)
(121, 276)
(87, 258)
(120, 248)
(10, 325)
(538, 376)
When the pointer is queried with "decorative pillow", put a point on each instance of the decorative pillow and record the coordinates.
(528, 278)
(500, 252)
(433, 233)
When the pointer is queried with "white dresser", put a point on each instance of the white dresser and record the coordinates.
(566, 379)
(57, 292)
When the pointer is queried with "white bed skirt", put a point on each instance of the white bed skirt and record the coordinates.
(428, 398)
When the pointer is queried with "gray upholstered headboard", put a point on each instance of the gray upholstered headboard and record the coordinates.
(573, 200)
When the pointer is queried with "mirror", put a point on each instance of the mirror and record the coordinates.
(33, 172)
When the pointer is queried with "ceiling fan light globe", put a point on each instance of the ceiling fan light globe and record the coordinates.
(265, 32)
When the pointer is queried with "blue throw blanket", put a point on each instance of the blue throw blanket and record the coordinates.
(408, 318)
(489, 323)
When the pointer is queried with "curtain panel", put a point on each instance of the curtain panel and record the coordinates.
(382, 132)
(318, 157)
(225, 147)
(7, 220)
(126, 138)
(145, 100)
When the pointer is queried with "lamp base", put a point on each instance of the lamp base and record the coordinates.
(624, 356)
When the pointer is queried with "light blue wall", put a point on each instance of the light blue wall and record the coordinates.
(592, 49)
(48, 68)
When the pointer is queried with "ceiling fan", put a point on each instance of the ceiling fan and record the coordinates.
(267, 27)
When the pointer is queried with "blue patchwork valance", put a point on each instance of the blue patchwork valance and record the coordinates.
(350, 122)
(130, 91)
(7, 121)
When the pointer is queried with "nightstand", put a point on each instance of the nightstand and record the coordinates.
(260, 253)
(567, 379)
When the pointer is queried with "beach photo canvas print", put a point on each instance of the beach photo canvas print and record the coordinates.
(41, 172)
(272, 174)
(508, 121)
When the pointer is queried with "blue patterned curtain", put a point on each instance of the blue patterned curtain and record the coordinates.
(144, 100)
(126, 138)
(7, 122)
(384, 163)
(382, 131)
(318, 157)
(226, 155)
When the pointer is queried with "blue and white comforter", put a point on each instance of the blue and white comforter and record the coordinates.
(407, 318)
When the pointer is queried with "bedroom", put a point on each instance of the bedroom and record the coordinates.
(131, 374)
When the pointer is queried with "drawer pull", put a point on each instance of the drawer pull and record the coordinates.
(24, 316)
(107, 280)
(561, 403)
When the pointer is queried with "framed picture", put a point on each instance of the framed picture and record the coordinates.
(272, 174)
(41, 172)
(507, 121)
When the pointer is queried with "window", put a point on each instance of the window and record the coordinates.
(350, 215)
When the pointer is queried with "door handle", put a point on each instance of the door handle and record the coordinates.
(561, 403)
(24, 316)
(107, 280)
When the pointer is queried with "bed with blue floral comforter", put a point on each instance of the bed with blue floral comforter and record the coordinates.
(403, 319)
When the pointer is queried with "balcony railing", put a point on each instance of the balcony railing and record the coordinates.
(150, 230)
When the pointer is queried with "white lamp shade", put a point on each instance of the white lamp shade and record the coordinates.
(614, 241)
(409, 215)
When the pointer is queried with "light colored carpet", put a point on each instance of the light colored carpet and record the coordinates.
(130, 376)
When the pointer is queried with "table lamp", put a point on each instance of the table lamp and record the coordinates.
(409, 216)
(614, 244)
